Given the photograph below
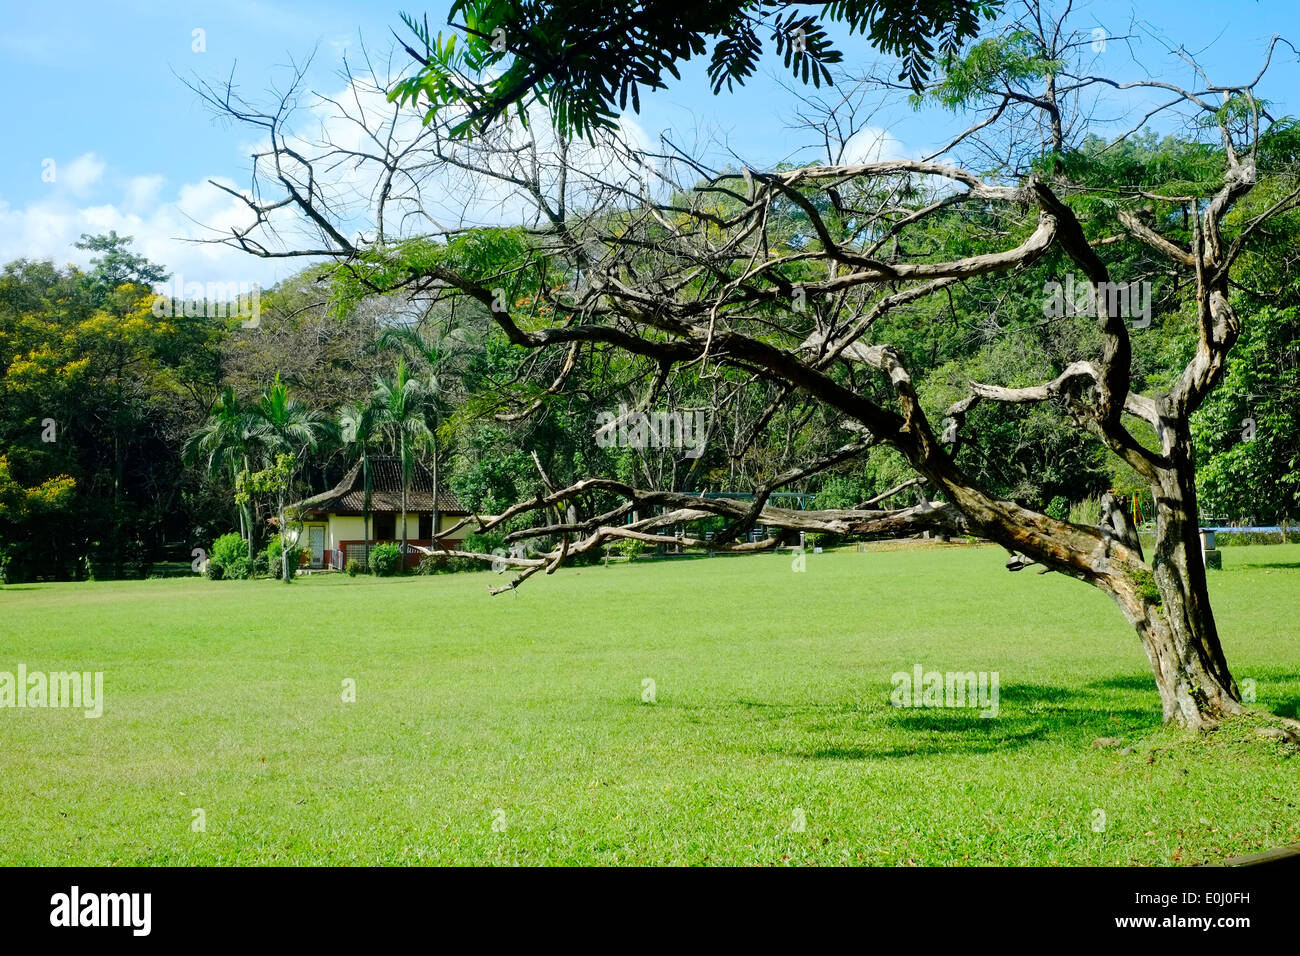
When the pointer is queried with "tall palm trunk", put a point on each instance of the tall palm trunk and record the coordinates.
(285, 576)
(249, 513)
(434, 471)
(402, 464)
(239, 508)
(365, 516)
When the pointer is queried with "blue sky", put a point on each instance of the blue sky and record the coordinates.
(96, 88)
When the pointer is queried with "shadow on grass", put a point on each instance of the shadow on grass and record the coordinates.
(1027, 714)
(1289, 709)
(972, 742)
(1135, 682)
(1250, 565)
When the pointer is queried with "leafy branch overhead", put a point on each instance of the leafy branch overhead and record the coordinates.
(587, 61)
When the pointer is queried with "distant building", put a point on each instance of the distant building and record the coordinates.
(333, 530)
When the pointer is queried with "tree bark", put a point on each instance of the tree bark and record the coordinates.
(1179, 631)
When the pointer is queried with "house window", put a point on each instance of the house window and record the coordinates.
(385, 527)
(426, 527)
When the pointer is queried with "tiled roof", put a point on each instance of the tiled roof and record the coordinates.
(385, 491)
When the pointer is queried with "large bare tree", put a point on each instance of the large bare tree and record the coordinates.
(695, 272)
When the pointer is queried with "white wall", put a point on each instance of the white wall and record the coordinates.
(349, 528)
(346, 528)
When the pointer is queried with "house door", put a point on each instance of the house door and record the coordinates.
(316, 542)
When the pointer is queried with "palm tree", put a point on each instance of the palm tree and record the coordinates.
(446, 358)
(227, 440)
(359, 429)
(284, 425)
(400, 401)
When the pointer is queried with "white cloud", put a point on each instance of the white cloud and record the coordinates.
(48, 228)
(142, 193)
(872, 144)
(78, 176)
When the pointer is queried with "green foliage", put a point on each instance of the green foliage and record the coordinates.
(353, 567)
(987, 67)
(23, 509)
(229, 556)
(1248, 431)
(117, 265)
(1086, 512)
(1236, 539)
(846, 491)
(486, 543)
(447, 564)
(227, 549)
(386, 559)
(1147, 587)
(82, 350)
(628, 548)
(587, 62)
(478, 255)
(273, 565)
(239, 568)
(1059, 509)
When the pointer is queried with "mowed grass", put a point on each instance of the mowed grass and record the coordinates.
(525, 711)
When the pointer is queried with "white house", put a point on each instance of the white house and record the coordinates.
(333, 529)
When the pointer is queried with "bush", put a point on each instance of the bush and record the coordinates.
(1059, 508)
(629, 548)
(386, 559)
(1086, 512)
(1229, 539)
(227, 548)
(484, 543)
(215, 571)
(353, 567)
(259, 566)
(272, 557)
(238, 569)
(448, 564)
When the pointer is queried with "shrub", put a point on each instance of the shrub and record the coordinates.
(258, 568)
(272, 556)
(215, 571)
(1229, 539)
(386, 559)
(353, 567)
(227, 548)
(630, 548)
(238, 569)
(1059, 508)
(483, 543)
(447, 564)
(1086, 512)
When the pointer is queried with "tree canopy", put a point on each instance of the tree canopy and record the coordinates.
(589, 60)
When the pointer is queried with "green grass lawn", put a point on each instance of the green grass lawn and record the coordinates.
(772, 695)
